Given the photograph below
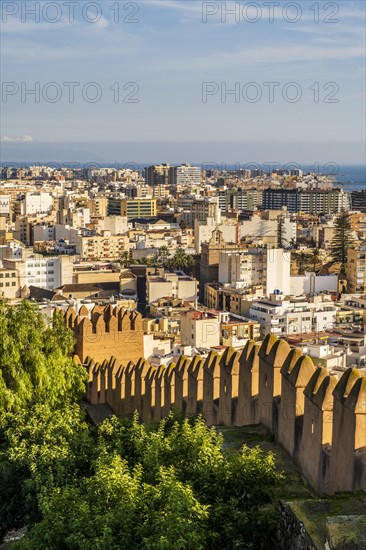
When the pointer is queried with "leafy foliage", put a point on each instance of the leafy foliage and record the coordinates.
(40, 419)
(123, 484)
(161, 487)
(181, 261)
(342, 240)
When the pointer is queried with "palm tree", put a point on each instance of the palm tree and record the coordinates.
(316, 259)
(163, 254)
(301, 262)
(182, 261)
(125, 259)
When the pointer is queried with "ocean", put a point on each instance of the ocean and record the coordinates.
(351, 178)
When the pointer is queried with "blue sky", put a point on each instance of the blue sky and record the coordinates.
(169, 53)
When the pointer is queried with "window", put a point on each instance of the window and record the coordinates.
(13, 283)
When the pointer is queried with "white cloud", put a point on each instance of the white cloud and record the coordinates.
(191, 6)
(21, 139)
(268, 55)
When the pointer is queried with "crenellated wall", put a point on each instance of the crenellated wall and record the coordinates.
(318, 420)
(106, 331)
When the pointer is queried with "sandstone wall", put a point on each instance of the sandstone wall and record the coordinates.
(106, 331)
(319, 421)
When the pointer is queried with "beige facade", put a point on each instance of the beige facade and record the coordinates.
(199, 329)
(172, 285)
(9, 284)
(356, 269)
(98, 207)
(96, 276)
(101, 247)
(236, 332)
(205, 208)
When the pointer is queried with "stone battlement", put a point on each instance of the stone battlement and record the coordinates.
(319, 421)
(105, 331)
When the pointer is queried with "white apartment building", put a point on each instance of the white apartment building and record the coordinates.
(268, 267)
(186, 175)
(258, 227)
(42, 271)
(292, 316)
(36, 203)
(287, 231)
(311, 283)
(117, 225)
(283, 228)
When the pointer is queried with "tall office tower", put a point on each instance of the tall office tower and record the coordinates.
(157, 175)
(185, 175)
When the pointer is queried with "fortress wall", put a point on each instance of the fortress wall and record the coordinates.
(296, 373)
(318, 420)
(348, 432)
(313, 456)
(106, 332)
(248, 385)
(272, 355)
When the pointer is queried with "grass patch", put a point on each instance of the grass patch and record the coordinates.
(294, 489)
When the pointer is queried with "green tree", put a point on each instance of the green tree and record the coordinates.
(316, 259)
(123, 484)
(126, 259)
(182, 261)
(40, 417)
(301, 258)
(183, 225)
(163, 486)
(163, 254)
(342, 240)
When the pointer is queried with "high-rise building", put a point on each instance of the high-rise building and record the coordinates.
(157, 174)
(185, 175)
(240, 199)
(309, 201)
(358, 199)
(204, 208)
